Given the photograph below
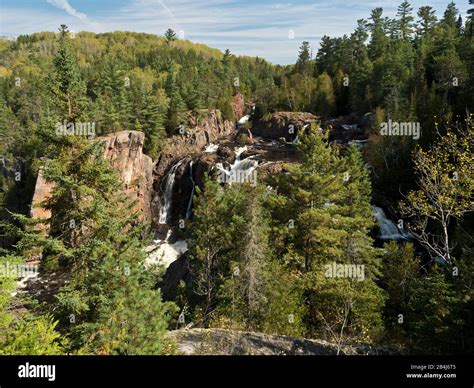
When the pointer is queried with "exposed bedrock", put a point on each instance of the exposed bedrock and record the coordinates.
(124, 150)
(282, 124)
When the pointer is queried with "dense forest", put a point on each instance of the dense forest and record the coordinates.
(259, 254)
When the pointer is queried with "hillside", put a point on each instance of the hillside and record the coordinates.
(153, 188)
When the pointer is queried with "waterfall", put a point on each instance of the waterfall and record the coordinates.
(388, 229)
(190, 203)
(240, 171)
(168, 193)
(239, 151)
(244, 119)
(211, 148)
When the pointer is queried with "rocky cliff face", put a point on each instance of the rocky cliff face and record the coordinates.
(42, 193)
(140, 175)
(282, 124)
(124, 150)
(199, 132)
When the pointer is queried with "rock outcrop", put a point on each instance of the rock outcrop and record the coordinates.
(42, 192)
(239, 107)
(282, 124)
(232, 342)
(209, 127)
(141, 176)
(124, 150)
(199, 132)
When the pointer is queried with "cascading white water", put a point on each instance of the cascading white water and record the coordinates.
(211, 148)
(190, 203)
(239, 151)
(388, 229)
(240, 170)
(164, 253)
(244, 119)
(168, 193)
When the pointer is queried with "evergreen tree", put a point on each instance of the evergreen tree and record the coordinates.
(216, 235)
(427, 19)
(176, 108)
(419, 311)
(109, 305)
(252, 297)
(153, 115)
(67, 87)
(450, 16)
(304, 58)
(320, 229)
(170, 35)
(378, 26)
(405, 20)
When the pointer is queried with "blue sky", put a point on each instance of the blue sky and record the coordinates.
(273, 29)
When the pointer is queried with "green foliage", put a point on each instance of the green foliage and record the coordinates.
(420, 311)
(23, 333)
(170, 35)
(66, 85)
(109, 306)
(321, 216)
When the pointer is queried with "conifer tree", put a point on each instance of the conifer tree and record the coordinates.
(320, 229)
(109, 305)
(67, 87)
(176, 108)
(427, 19)
(405, 20)
(170, 35)
(216, 234)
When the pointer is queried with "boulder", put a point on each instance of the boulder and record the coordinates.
(282, 124)
(226, 153)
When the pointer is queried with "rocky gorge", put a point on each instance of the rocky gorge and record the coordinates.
(164, 188)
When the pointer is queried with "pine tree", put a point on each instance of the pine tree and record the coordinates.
(109, 305)
(378, 42)
(176, 108)
(427, 19)
(320, 228)
(216, 235)
(153, 115)
(420, 305)
(67, 87)
(405, 20)
(450, 16)
(226, 61)
(170, 35)
(114, 98)
(304, 58)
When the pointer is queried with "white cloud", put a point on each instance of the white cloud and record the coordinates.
(65, 6)
(256, 28)
(280, 5)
